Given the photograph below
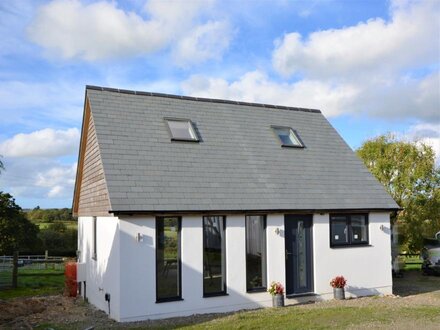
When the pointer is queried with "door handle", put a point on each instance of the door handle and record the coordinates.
(288, 253)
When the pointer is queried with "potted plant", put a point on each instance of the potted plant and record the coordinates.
(338, 284)
(276, 289)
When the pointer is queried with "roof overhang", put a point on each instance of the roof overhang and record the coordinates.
(265, 211)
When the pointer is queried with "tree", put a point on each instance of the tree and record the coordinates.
(59, 240)
(58, 226)
(16, 232)
(50, 215)
(2, 166)
(408, 172)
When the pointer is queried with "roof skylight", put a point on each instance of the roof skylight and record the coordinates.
(288, 137)
(182, 130)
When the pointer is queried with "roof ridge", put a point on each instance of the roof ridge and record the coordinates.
(201, 99)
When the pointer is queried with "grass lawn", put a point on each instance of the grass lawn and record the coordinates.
(374, 314)
(413, 263)
(417, 306)
(36, 282)
(295, 317)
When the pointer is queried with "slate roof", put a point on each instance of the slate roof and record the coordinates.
(238, 165)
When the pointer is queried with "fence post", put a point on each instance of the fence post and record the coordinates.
(46, 257)
(15, 269)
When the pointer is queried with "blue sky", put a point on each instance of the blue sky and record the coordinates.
(371, 66)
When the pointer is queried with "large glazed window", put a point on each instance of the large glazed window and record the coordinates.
(214, 256)
(256, 252)
(168, 266)
(182, 130)
(348, 229)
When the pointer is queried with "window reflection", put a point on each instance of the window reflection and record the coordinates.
(214, 256)
(168, 258)
(255, 252)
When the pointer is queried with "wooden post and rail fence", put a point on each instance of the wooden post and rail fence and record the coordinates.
(9, 266)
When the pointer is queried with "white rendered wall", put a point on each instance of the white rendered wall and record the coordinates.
(138, 273)
(131, 270)
(366, 268)
(103, 273)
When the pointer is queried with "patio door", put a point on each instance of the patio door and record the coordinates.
(299, 254)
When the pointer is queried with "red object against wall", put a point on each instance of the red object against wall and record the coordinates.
(70, 281)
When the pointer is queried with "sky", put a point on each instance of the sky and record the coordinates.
(371, 67)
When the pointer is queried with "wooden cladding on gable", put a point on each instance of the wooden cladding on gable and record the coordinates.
(91, 196)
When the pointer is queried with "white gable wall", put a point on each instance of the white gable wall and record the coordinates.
(130, 276)
(102, 274)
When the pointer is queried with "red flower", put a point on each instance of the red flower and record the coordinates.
(276, 288)
(338, 282)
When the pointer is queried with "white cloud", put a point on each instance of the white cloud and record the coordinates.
(410, 38)
(257, 87)
(403, 98)
(207, 41)
(389, 66)
(58, 180)
(398, 97)
(40, 179)
(101, 30)
(427, 133)
(43, 143)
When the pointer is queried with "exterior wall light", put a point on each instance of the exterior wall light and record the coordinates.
(139, 237)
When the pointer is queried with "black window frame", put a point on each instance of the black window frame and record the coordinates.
(295, 133)
(264, 271)
(349, 242)
(179, 259)
(192, 127)
(224, 292)
(95, 238)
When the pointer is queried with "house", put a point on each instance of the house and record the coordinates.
(189, 205)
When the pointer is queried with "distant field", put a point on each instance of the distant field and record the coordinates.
(69, 224)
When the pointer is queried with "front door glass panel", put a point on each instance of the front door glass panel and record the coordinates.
(298, 242)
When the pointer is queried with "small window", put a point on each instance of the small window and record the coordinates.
(182, 130)
(350, 229)
(94, 229)
(288, 137)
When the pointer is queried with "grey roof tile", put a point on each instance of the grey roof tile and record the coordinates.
(239, 164)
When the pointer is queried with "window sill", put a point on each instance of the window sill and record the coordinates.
(184, 140)
(257, 290)
(211, 295)
(288, 146)
(160, 301)
(342, 246)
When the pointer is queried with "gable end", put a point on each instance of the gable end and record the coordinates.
(91, 193)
